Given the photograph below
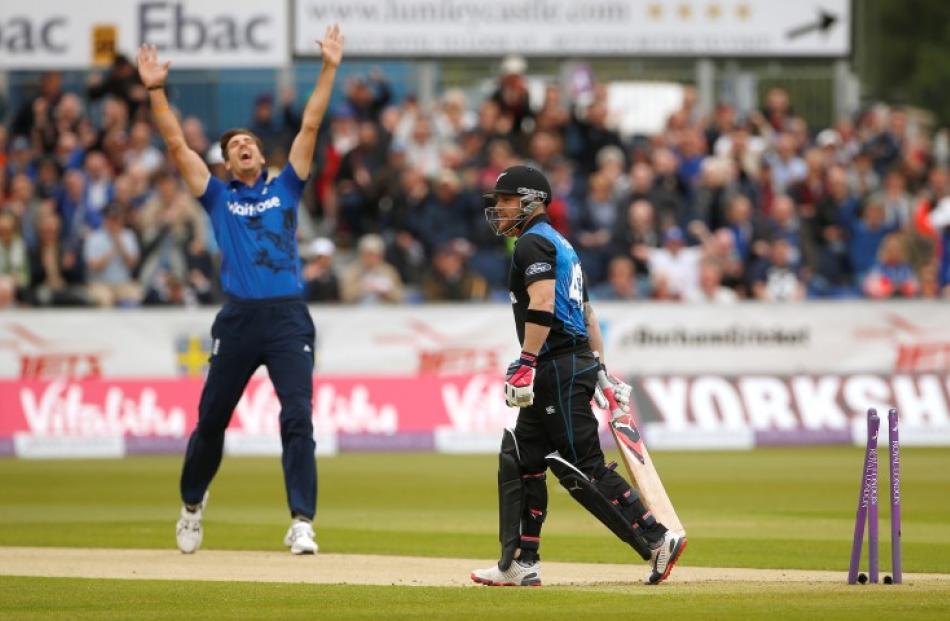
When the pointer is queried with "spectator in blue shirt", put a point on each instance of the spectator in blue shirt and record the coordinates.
(865, 236)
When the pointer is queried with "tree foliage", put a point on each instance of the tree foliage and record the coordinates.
(908, 55)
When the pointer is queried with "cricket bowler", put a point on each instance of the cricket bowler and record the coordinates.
(265, 321)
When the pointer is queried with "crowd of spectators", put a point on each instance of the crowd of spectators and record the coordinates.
(713, 208)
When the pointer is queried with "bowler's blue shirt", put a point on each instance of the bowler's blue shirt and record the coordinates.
(256, 228)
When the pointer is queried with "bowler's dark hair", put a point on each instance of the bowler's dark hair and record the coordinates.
(231, 133)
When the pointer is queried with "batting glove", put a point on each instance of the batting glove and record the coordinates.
(519, 381)
(621, 390)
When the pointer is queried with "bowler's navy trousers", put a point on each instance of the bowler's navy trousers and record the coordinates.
(278, 333)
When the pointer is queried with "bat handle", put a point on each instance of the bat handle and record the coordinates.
(602, 380)
(616, 410)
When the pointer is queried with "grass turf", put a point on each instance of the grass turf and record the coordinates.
(781, 508)
(77, 599)
(791, 508)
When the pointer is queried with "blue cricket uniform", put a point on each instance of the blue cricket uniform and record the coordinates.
(256, 226)
(264, 322)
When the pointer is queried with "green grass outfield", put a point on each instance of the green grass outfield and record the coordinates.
(780, 508)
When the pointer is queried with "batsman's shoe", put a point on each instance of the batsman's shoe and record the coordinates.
(300, 538)
(188, 530)
(516, 575)
(664, 556)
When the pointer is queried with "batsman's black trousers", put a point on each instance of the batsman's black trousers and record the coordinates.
(279, 334)
(560, 419)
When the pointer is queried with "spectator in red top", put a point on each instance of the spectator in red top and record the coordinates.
(891, 276)
(811, 190)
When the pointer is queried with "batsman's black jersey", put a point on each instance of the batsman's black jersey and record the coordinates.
(542, 253)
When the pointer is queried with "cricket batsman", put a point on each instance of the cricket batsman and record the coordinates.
(265, 321)
(553, 383)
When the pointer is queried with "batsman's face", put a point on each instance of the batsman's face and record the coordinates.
(244, 157)
(507, 213)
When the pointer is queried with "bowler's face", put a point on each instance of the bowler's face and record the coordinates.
(243, 156)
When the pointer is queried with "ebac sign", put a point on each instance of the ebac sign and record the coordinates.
(22, 35)
(60, 34)
(171, 27)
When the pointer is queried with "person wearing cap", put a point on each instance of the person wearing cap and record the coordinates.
(265, 320)
(21, 159)
(366, 98)
(216, 164)
(553, 382)
(275, 133)
(512, 95)
(443, 215)
(320, 280)
(370, 279)
(674, 268)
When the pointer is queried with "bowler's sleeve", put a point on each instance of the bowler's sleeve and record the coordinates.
(291, 182)
(213, 192)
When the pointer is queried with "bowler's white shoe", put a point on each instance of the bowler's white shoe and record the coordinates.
(516, 575)
(300, 538)
(664, 556)
(188, 530)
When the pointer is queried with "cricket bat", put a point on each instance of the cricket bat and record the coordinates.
(636, 458)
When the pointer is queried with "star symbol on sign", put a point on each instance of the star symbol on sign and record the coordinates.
(685, 11)
(655, 10)
(192, 355)
(743, 11)
(713, 11)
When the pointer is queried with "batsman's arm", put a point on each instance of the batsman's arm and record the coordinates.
(594, 335)
(154, 74)
(620, 389)
(301, 151)
(540, 300)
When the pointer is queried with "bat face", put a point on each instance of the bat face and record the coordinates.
(628, 433)
(637, 459)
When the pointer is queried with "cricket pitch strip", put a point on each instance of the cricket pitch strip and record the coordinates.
(228, 565)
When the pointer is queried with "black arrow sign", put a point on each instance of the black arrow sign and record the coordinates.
(825, 21)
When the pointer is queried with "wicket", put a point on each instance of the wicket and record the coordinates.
(867, 511)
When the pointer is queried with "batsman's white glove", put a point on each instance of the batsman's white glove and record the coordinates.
(519, 381)
(621, 390)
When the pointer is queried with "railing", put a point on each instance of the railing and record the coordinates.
(225, 98)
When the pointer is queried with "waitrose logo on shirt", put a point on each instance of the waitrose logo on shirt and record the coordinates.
(250, 209)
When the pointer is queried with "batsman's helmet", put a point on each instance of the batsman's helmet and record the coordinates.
(524, 181)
